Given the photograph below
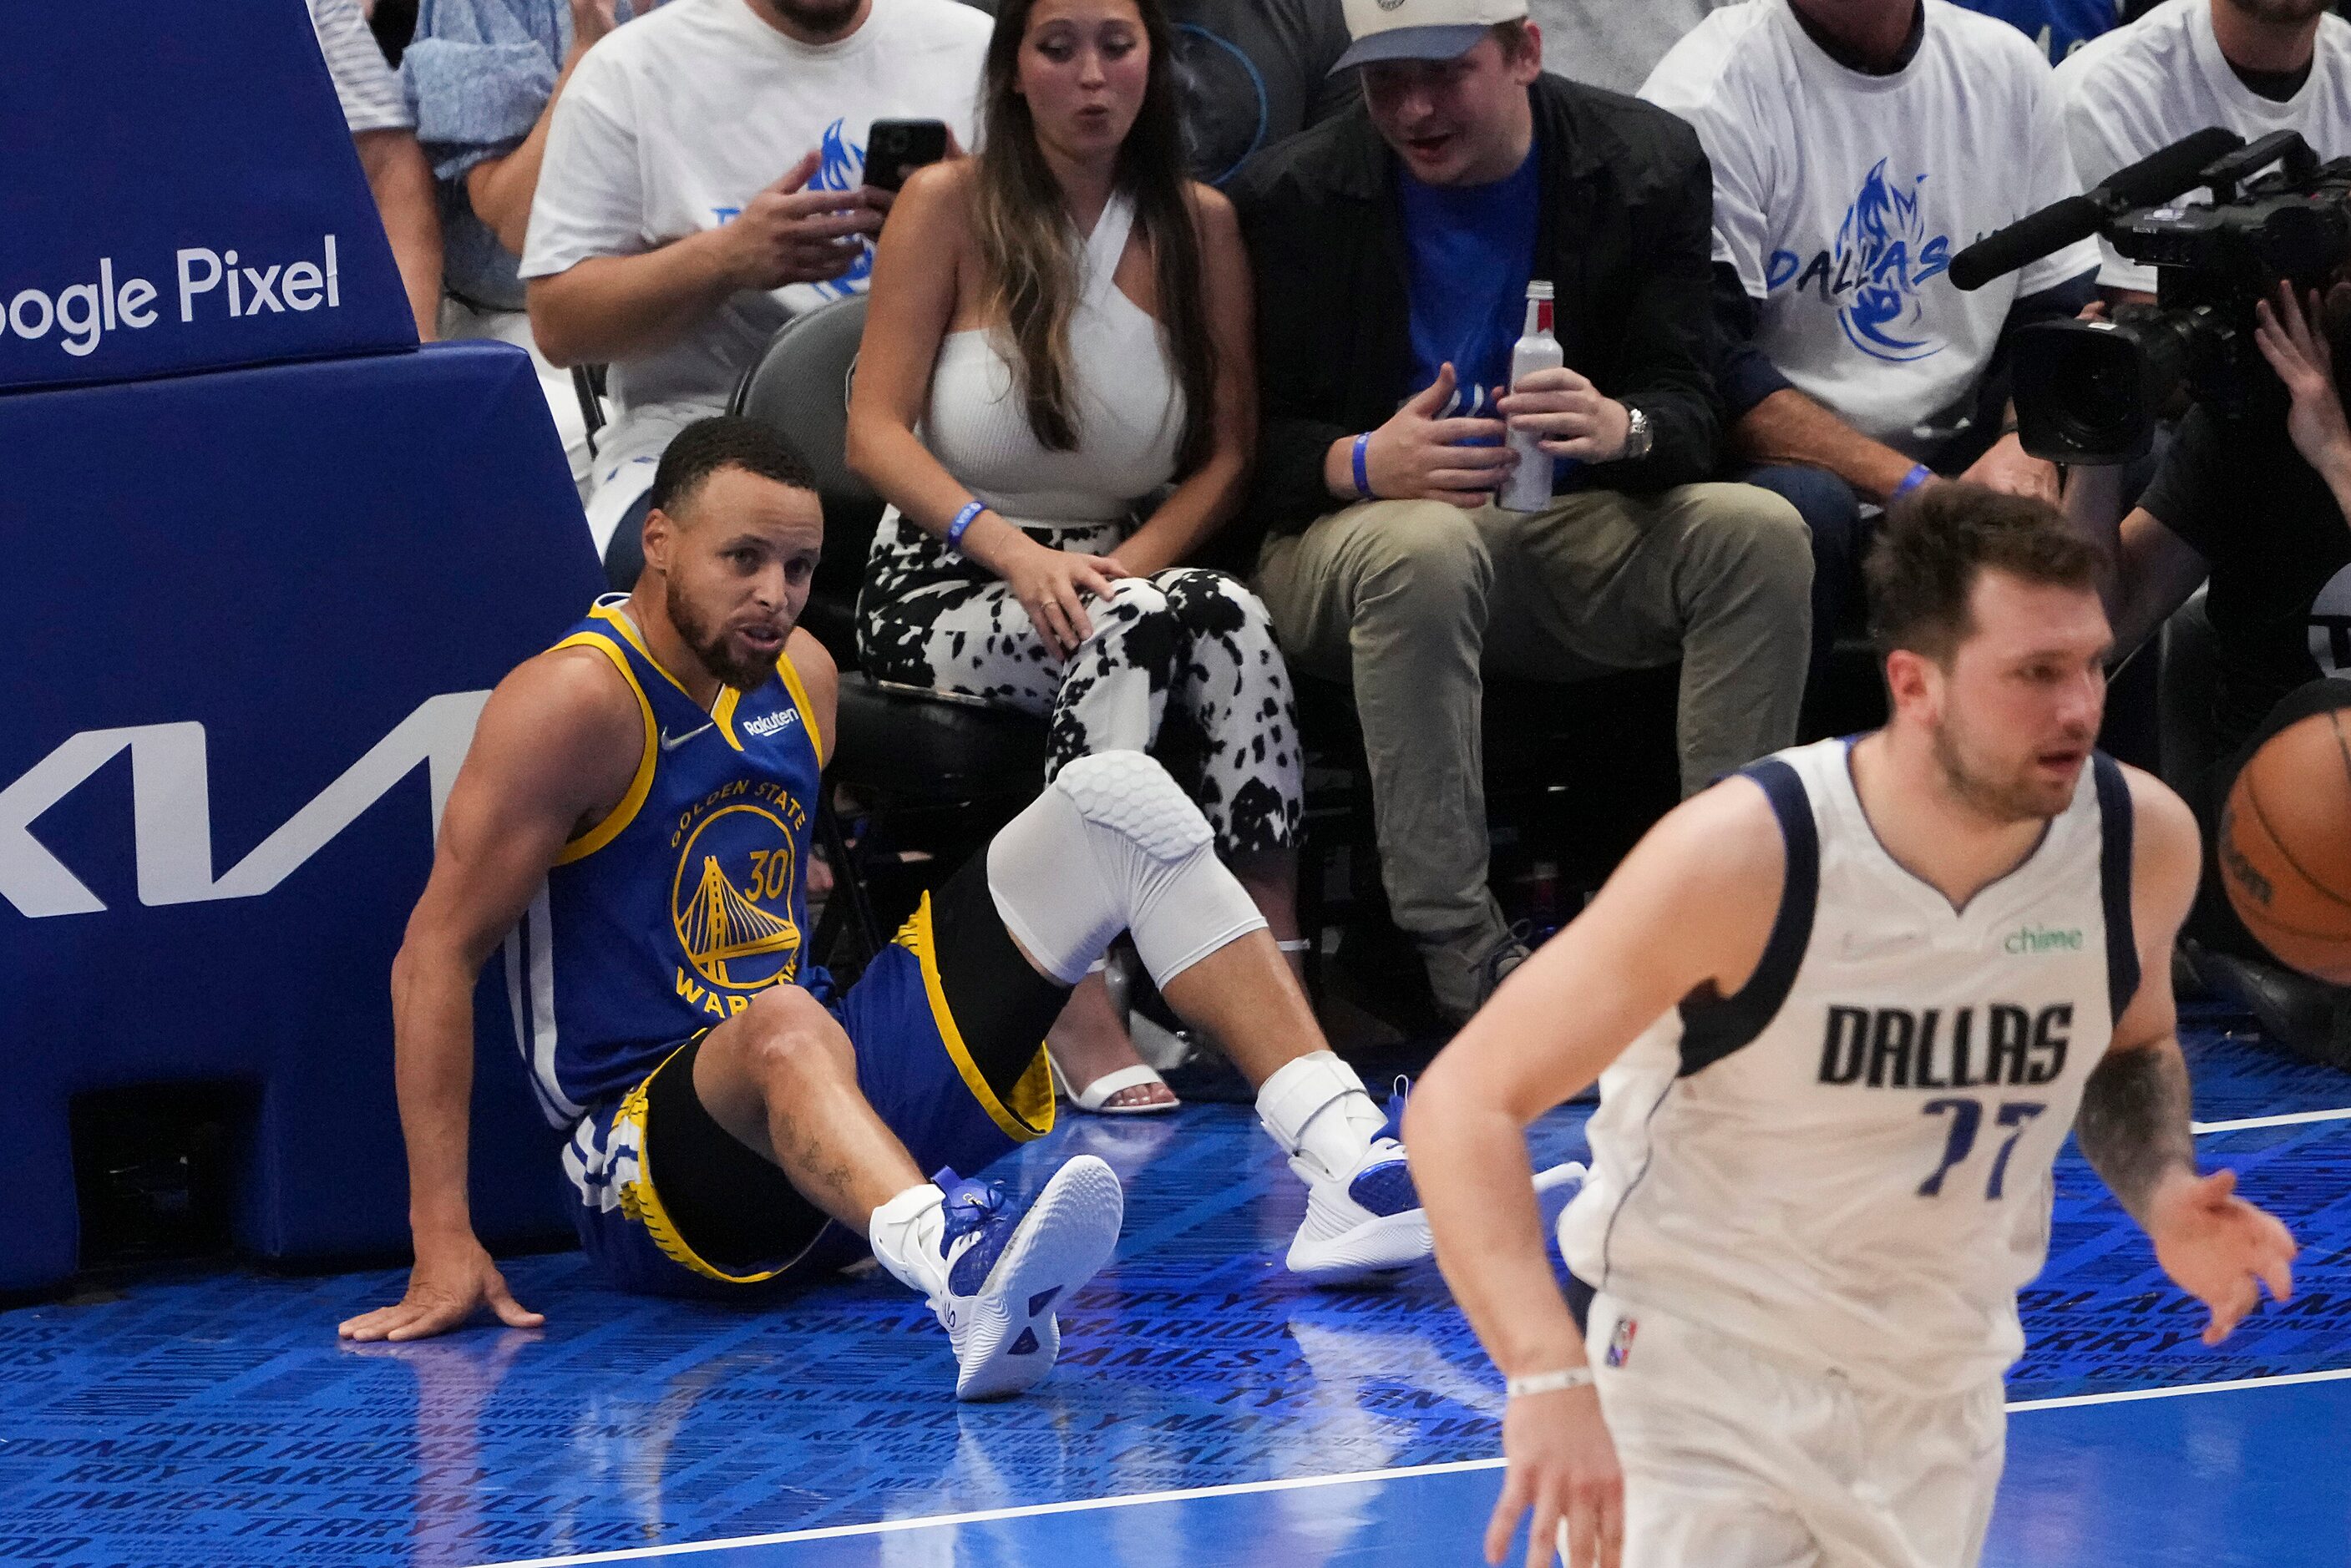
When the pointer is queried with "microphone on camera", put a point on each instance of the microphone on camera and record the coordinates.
(2027, 239)
(2166, 171)
(2157, 177)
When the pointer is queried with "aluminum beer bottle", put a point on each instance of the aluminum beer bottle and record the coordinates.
(1528, 487)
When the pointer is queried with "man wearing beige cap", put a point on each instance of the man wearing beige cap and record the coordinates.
(1394, 247)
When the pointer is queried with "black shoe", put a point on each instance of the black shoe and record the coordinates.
(2307, 1016)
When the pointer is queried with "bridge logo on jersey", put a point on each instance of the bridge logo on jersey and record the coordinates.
(1936, 1048)
(731, 899)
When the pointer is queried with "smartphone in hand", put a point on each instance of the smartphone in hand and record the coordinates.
(896, 148)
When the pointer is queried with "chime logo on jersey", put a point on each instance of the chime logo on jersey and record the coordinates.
(732, 898)
(2042, 939)
(1874, 273)
(1620, 1344)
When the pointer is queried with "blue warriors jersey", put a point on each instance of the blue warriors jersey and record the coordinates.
(690, 898)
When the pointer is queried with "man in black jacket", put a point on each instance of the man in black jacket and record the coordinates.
(1393, 247)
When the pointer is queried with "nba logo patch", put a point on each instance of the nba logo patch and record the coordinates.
(1620, 1344)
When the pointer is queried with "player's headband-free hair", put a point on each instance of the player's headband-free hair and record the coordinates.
(724, 440)
(1935, 542)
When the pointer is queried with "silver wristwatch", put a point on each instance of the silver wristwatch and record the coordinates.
(1639, 435)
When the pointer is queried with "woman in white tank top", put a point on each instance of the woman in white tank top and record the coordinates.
(1060, 327)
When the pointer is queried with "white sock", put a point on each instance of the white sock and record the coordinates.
(909, 1235)
(1317, 1109)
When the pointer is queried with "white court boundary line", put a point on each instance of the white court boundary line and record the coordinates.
(2290, 1118)
(1301, 1483)
(2129, 1396)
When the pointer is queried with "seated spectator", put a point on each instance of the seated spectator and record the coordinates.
(483, 79)
(702, 183)
(385, 134)
(1393, 249)
(1064, 319)
(1609, 44)
(1855, 148)
(2060, 26)
(1255, 72)
(2254, 66)
(2260, 504)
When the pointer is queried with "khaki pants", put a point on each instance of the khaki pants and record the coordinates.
(1412, 602)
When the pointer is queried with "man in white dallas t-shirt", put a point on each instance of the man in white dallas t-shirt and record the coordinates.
(2254, 66)
(1857, 146)
(704, 183)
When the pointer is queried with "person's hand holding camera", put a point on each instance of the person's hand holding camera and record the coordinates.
(2007, 468)
(2290, 337)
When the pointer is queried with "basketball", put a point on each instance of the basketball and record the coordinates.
(2285, 846)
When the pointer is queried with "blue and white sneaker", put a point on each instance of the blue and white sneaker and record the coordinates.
(1369, 1220)
(1005, 1273)
(1366, 1221)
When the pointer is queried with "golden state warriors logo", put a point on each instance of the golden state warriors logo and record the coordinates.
(731, 901)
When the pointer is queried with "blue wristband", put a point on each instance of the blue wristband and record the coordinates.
(962, 523)
(1919, 474)
(1363, 468)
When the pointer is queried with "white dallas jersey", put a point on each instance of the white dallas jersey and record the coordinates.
(1847, 1163)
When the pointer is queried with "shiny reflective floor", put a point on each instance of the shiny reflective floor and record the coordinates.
(1208, 1410)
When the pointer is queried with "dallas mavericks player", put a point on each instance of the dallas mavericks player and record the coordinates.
(1843, 1010)
(632, 825)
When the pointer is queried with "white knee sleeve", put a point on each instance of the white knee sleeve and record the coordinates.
(1114, 846)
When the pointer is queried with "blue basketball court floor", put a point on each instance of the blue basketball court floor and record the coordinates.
(1208, 1410)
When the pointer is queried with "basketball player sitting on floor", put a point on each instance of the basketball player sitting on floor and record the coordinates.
(632, 823)
(1843, 1008)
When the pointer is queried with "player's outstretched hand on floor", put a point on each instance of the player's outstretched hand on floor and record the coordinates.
(1562, 1464)
(449, 1283)
(2218, 1248)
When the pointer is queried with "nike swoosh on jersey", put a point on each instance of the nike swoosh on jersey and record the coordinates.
(1857, 946)
(670, 742)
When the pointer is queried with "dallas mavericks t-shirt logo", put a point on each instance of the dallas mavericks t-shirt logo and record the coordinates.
(1875, 272)
(841, 166)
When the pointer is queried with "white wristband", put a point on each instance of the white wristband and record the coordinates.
(1547, 1382)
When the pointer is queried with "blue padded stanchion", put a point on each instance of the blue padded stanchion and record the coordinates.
(267, 558)
(258, 611)
(181, 194)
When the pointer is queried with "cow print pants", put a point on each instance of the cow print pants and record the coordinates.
(1181, 664)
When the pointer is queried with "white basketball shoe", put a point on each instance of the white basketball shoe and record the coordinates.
(1007, 1273)
(1368, 1219)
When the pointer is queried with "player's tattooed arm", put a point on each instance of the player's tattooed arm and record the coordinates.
(2134, 1121)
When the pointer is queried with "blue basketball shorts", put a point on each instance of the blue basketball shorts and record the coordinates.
(668, 1203)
